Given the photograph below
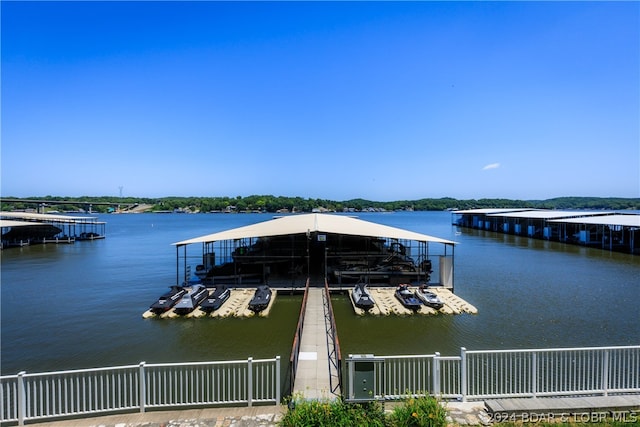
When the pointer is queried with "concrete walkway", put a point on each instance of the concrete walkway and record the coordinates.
(469, 413)
(207, 417)
(458, 414)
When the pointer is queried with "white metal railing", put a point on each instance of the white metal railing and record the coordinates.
(395, 377)
(26, 397)
(485, 374)
(553, 372)
(471, 375)
(401, 374)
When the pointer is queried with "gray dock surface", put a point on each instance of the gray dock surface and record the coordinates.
(313, 375)
(564, 405)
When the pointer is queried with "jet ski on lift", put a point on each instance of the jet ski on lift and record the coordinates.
(214, 301)
(191, 300)
(361, 296)
(260, 299)
(407, 297)
(168, 299)
(429, 298)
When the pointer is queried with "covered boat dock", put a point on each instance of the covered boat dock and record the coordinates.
(343, 249)
(613, 232)
(317, 253)
(607, 230)
(24, 228)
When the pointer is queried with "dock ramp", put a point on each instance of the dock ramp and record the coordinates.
(317, 373)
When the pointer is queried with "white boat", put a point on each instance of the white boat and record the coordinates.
(429, 298)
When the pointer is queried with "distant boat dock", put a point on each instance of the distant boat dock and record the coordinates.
(608, 230)
(26, 228)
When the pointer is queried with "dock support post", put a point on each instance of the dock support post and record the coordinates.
(143, 388)
(177, 265)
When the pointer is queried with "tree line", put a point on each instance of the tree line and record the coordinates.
(270, 203)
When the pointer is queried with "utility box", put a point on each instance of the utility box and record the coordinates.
(362, 377)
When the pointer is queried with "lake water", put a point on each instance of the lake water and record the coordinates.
(81, 305)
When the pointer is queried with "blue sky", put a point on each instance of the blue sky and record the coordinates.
(336, 100)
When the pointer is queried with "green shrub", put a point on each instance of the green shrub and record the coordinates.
(419, 412)
(318, 413)
(607, 423)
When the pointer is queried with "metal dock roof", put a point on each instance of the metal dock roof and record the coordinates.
(624, 220)
(548, 214)
(490, 211)
(6, 223)
(47, 217)
(323, 223)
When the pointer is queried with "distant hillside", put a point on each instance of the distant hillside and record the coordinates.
(269, 203)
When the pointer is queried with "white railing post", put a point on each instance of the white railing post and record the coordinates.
(534, 373)
(143, 386)
(463, 373)
(350, 379)
(249, 381)
(22, 399)
(436, 374)
(277, 379)
(605, 372)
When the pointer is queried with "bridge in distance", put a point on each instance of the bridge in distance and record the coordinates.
(68, 202)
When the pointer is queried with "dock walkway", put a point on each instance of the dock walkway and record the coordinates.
(312, 379)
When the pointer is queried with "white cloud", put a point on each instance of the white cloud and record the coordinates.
(491, 166)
